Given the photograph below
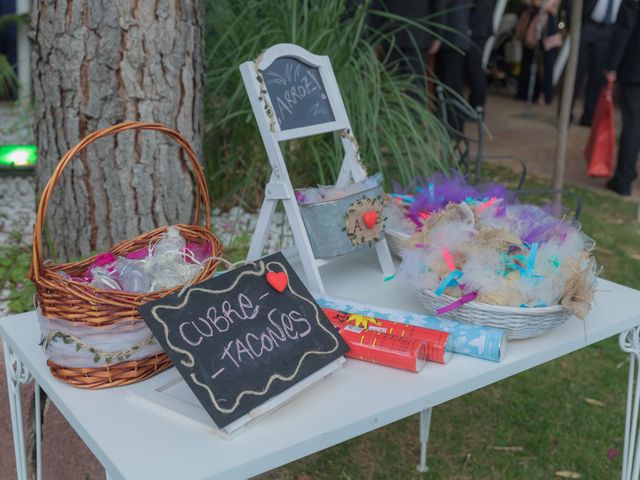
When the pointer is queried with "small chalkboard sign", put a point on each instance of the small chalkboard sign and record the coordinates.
(297, 93)
(244, 336)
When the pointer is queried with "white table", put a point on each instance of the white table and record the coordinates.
(135, 443)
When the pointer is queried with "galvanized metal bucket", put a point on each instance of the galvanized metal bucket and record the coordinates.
(325, 223)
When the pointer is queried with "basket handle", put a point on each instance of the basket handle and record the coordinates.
(202, 194)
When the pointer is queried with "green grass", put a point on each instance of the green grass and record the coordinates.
(543, 410)
(15, 259)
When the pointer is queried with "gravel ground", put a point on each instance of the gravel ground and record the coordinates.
(17, 216)
(15, 124)
(236, 221)
(17, 209)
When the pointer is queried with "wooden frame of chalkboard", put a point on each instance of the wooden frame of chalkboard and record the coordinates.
(169, 395)
(294, 94)
(287, 73)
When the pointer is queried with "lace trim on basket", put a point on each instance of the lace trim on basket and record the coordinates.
(98, 354)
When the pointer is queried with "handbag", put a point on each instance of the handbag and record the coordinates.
(523, 22)
(600, 147)
(537, 25)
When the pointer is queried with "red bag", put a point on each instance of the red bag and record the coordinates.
(601, 145)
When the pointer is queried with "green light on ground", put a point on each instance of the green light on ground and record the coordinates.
(18, 156)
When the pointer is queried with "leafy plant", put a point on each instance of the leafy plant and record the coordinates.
(8, 77)
(237, 250)
(14, 265)
(392, 120)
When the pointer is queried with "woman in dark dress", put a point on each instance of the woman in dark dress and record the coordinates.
(538, 30)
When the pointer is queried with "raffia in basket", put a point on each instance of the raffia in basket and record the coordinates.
(62, 298)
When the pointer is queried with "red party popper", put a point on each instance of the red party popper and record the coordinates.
(436, 340)
(405, 353)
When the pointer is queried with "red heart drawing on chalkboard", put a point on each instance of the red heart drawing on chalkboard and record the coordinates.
(278, 280)
(370, 218)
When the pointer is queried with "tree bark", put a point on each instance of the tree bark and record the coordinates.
(96, 63)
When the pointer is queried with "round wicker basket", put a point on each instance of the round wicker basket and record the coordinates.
(517, 321)
(61, 298)
(396, 240)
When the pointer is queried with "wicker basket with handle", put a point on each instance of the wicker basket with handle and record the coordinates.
(60, 297)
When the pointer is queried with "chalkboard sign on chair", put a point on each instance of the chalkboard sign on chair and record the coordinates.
(297, 93)
(244, 337)
(294, 94)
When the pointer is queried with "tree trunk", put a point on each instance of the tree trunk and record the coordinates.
(97, 63)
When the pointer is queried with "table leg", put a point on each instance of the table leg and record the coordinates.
(18, 375)
(425, 425)
(38, 431)
(630, 343)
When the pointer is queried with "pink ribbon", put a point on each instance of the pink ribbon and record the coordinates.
(486, 204)
(138, 254)
(448, 258)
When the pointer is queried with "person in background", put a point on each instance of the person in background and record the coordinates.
(598, 18)
(538, 29)
(623, 65)
(480, 29)
(412, 43)
(450, 58)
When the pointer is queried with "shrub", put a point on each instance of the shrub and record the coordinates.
(397, 132)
